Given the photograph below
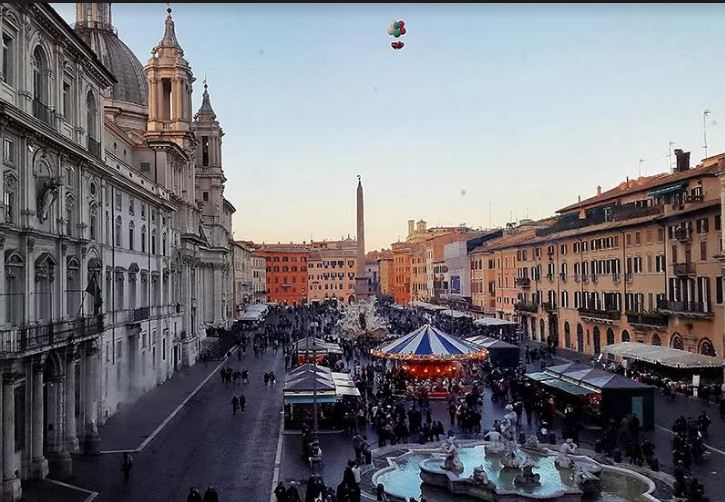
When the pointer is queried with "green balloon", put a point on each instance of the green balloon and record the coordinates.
(396, 32)
(396, 25)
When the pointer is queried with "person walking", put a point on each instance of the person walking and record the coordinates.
(126, 466)
(280, 492)
(235, 405)
(266, 379)
(194, 495)
(242, 402)
(211, 495)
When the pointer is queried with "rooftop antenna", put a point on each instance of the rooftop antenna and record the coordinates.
(705, 114)
(669, 155)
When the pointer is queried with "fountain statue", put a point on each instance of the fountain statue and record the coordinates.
(480, 478)
(359, 319)
(508, 434)
(563, 460)
(495, 445)
(586, 477)
(532, 443)
(452, 462)
(527, 477)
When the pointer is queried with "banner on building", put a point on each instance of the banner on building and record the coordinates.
(455, 285)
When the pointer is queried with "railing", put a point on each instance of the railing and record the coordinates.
(94, 147)
(694, 198)
(585, 278)
(562, 276)
(42, 112)
(612, 315)
(687, 268)
(594, 278)
(42, 336)
(682, 234)
(523, 282)
(647, 318)
(616, 277)
(526, 307)
(550, 277)
(549, 306)
(628, 277)
(140, 314)
(684, 307)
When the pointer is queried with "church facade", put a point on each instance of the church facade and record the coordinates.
(113, 226)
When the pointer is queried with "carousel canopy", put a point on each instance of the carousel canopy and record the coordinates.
(666, 356)
(429, 343)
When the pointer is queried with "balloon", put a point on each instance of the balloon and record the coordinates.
(401, 23)
(402, 30)
(396, 25)
(396, 33)
(390, 30)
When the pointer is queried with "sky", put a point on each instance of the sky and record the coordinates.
(489, 114)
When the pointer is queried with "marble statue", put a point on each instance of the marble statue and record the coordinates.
(495, 445)
(480, 478)
(532, 443)
(49, 195)
(527, 477)
(586, 477)
(563, 460)
(452, 462)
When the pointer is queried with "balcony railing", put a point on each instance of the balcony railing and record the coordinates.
(140, 314)
(43, 336)
(616, 277)
(647, 318)
(562, 276)
(612, 315)
(526, 307)
(694, 198)
(594, 278)
(687, 268)
(682, 234)
(628, 277)
(42, 112)
(94, 147)
(550, 277)
(549, 306)
(523, 282)
(684, 307)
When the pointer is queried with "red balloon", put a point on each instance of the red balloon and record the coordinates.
(401, 23)
(402, 30)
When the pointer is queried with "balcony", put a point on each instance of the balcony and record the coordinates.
(694, 198)
(654, 319)
(682, 235)
(526, 307)
(600, 315)
(550, 277)
(94, 147)
(140, 314)
(594, 278)
(616, 277)
(685, 308)
(549, 306)
(629, 278)
(523, 282)
(41, 337)
(562, 277)
(43, 113)
(687, 268)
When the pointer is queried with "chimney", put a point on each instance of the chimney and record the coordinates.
(599, 189)
(411, 227)
(721, 163)
(683, 160)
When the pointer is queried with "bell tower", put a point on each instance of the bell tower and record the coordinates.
(170, 81)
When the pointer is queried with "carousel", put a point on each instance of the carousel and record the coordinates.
(428, 352)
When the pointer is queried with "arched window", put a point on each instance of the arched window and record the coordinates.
(610, 336)
(92, 121)
(656, 340)
(92, 221)
(533, 328)
(707, 348)
(40, 77)
(597, 341)
(153, 241)
(567, 335)
(118, 231)
(131, 228)
(163, 244)
(579, 338)
(625, 336)
(676, 341)
(69, 215)
(143, 238)
(542, 329)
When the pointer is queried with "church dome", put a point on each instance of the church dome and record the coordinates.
(95, 29)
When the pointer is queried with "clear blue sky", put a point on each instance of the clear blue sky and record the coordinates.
(522, 106)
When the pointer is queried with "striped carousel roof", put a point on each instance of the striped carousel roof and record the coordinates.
(430, 343)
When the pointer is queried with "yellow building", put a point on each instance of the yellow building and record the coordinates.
(331, 270)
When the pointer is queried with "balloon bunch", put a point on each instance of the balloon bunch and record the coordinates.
(396, 29)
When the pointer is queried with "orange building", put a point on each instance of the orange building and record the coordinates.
(286, 272)
(386, 265)
(401, 272)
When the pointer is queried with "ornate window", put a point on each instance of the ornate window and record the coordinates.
(119, 226)
(10, 197)
(91, 116)
(69, 215)
(40, 77)
(153, 241)
(676, 341)
(72, 291)
(163, 244)
(93, 221)
(143, 238)
(14, 294)
(44, 278)
(131, 228)
(707, 348)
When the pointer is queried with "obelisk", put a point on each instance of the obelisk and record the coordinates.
(361, 280)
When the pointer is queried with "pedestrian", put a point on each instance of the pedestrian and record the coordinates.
(235, 405)
(266, 379)
(211, 495)
(242, 402)
(280, 492)
(194, 495)
(245, 376)
(380, 494)
(126, 465)
(292, 494)
(272, 378)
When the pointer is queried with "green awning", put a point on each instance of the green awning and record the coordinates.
(570, 388)
(677, 187)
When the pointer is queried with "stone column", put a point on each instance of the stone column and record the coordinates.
(40, 463)
(71, 432)
(11, 483)
(92, 438)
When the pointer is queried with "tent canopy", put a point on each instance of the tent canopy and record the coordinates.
(492, 321)
(454, 313)
(427, 306)
(666, 356)
(302, 383)
(488, 342)
(429, 343)
(316, 345)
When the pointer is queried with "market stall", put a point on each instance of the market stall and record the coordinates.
(500, 352)
(313, 349)
(309, 385)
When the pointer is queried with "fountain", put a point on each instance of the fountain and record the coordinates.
(508, 473)
(360, 319)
